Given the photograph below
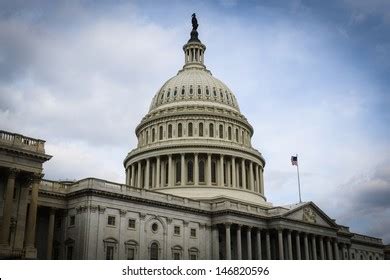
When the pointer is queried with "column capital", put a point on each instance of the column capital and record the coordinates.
(249, 228)
(37, 176)
(13, 172)
(228, 224)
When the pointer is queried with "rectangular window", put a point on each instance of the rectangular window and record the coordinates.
(193, 232)
(69, 253)
(176, 230)
(176, 256)
(72, 220)
(111, 220)
(110, 253)
(131, 223)
(131, 254)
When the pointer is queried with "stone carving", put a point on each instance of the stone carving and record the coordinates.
(309, 215)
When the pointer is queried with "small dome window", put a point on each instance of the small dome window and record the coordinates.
(191, 91)
(199, 91)
(183, 91)
(215, 93)
(207, 91)
(220, 93)
(168, 93)
(175, 92)
(162, 95)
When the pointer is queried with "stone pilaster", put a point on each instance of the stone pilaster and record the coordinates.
(280, 244)
(50, 234)
(249, 242)
(239, 248)
(298, 245)
(228, 241)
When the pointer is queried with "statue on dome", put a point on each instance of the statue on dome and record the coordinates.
(194, 22)
(194, 32)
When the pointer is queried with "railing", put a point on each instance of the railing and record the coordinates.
(21, 141)
(362, 237)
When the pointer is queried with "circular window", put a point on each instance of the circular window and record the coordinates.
(154, 227)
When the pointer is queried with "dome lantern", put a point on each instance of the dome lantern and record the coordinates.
(194, 49)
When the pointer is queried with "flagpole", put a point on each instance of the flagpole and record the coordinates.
(299, 183)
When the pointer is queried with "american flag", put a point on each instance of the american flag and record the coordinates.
(294, 160)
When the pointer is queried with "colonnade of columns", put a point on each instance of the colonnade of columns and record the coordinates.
(235, 241)
(196, 169)
(30, 222)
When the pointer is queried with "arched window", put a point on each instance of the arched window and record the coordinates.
(201, 129)
(183, 91)
(178, 171)
(211, 130)
(190, 129)
(179, 130)
(213, 172)
(147, 137)
(153, 135)
(160, 135)
(199, 91)
(154, 251)
(201, 171)
(229, 133)
(191, 90)
(207, 91)
(242, 137)
(169, 131)
(221, 131)
(175, 92)
(236, 134)
(190, 171)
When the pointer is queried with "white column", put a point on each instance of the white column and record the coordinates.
(258, 241)
(32, 218)
(208, 173)
(257, 185)
(289, 245)
(139, 175)
(153, 175)
(228, 181)
(280, 241)
(322, 254)
(182, 179)
(314, 246)
(147, 183)
(170, 171)
(7, 210)
(249, 242)
(215, 244)
(268, 244)
(306, 246)
(336, 249)
(233, 172)
(252, 180)
(262, 180)
(50, 234)
(329, 249)
(228, 242)
(239, 249)
(243, 173)
(158, 168)
(221, 171)
(298, 246)
(196, 169)
(132, 175)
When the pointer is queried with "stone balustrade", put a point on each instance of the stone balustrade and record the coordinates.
(21, 141)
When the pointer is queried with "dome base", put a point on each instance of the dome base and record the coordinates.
(212, 193)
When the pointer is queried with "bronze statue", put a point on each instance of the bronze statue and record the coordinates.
(194, 22)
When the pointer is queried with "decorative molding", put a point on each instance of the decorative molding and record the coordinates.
(309, 215)
(142, 216)
(122, 212)
(101, 209)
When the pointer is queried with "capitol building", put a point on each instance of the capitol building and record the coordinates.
(194, 189)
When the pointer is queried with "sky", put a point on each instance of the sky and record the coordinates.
(312, 78)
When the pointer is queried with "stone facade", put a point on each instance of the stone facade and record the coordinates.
(194, 189)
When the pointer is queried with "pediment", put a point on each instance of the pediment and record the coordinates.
(311, 214)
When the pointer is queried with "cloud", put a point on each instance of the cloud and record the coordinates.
(364, 201)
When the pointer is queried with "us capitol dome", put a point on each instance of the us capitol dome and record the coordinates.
(194, 142)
